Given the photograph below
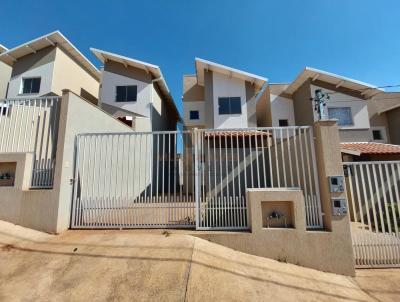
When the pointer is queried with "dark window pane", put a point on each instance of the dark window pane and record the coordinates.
(121, 94)
(194, 114)
(131, 93)
(27, 84)
(235, 106)
(283, 123)
(35, 85)
(377, 134)
(223, 106)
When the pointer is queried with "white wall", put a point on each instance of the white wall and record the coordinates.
(224, 86)
(45, 72)
(358, 107)
(196, 105)
(281, 109)
(108, 92)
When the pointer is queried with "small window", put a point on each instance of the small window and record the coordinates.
(126, 93)
(342, 114)
(30, 85)
(229, 105)
(377, 135)
(194, 114)
(283, 123)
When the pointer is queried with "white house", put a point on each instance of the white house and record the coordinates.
(136, 93)
(219, 96)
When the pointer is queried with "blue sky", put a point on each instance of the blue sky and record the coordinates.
(275, 39)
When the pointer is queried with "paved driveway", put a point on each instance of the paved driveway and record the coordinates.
(153, 266)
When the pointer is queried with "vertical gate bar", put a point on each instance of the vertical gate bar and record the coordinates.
(257, 161)
(315, 176)
(263, 158)
(20, 126)
(384, 197)
(290, 157)
(306, 197)
(376, 183)
(209, 202)
(278, 177)
(75, 181)
(283, 157)
(269, 143)
(251, 160)
(226, 216)
(350, 179)
(365, 197)
(359, 198)
(314, 210)
(233, 204)
(371, 191)
(391, 197)
(215, 213)
(295, 141)
(239, 181)
(397, 179)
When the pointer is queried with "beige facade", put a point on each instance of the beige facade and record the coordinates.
(5, 73)
(49, 210)
(58, 65)
(329, 249)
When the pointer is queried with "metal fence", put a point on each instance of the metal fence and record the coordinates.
(194, 178)
(233, 160)
(373, 195)
(31, 125)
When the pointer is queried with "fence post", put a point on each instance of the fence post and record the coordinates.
(196, 176)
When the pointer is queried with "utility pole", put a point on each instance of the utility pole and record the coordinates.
(320, 104)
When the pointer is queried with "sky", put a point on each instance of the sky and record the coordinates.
(276, 39)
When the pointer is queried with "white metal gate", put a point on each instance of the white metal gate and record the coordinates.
(195, 178)
(373, 194)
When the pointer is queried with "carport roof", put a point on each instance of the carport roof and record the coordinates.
(366, 89)
(361, 148)
(54, 38)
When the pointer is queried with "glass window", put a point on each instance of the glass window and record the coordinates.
(342, 114)
(194, 114)
(229, 105)
(126, 93)
(283, 123)
(30, 85)
(377, 135)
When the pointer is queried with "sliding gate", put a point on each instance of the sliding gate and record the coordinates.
(373, 190)
(194, 178)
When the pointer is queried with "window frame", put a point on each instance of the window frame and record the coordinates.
(125, 100)
(21, 91)
(190, 115)
(338, 119)
(286, 120)
(229, 105)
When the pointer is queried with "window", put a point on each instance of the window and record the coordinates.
(194, 114)
(126, 93)
(229, 105)
(30, 85)
(283, 123)
(342, 114)
(377, 135)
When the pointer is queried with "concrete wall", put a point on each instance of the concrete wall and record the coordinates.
(327, 250)
(68, 74)
(39, 64)
(393, 117)
(196, 105)
(282, 108)
(49, 210)
(358, 106)
(303, 107)
(209, 98)
(116, 74)
(263, 109)
(163, 115)
(225, 86)
(5, 75)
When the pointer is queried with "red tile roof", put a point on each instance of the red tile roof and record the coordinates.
(370, 148)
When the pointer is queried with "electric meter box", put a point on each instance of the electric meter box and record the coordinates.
(336, 184)
(339, 206)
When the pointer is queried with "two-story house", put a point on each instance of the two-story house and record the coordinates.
(219, 96)
(5, 73)
(364, 129)
(46, 66)
(136, 93)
